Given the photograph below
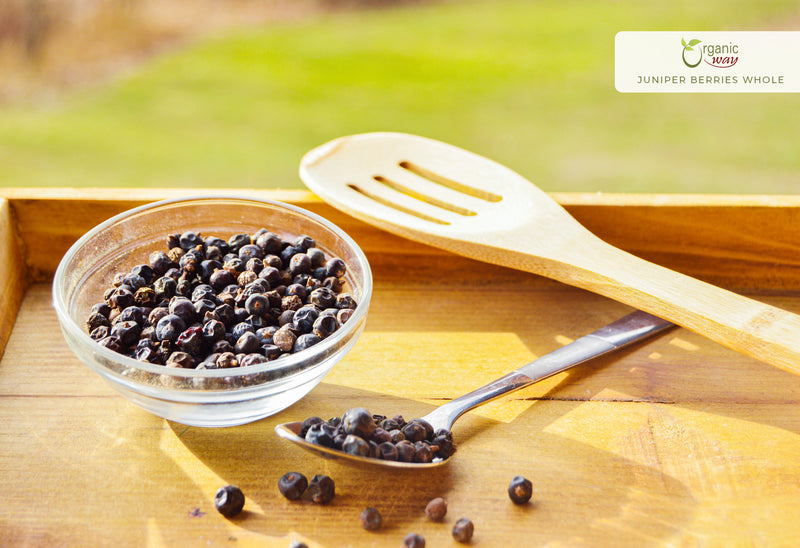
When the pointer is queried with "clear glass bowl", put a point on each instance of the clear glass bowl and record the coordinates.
(219, 397)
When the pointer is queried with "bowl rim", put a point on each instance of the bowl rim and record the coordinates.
(290, 362)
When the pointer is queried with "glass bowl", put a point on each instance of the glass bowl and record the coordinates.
(204, 397)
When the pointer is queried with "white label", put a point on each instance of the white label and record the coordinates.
(711, 62)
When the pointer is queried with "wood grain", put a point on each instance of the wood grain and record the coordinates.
(13, 277)
(746, 243)
(674, 442)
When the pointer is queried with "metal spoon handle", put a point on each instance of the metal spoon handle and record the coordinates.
(631, 328)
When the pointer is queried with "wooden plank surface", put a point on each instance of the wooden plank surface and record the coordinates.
(676, 442)
(749, 243)
(13, 276)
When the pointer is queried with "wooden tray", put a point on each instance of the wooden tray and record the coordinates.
(677, 441)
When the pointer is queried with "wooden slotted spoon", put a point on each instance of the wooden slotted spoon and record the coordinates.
(450, 198)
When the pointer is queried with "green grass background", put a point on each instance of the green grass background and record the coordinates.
(527, 83)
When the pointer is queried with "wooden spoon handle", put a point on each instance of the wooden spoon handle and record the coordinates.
(761, 331)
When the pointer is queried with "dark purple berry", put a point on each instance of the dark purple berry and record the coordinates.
(183, 307)
(253, 265)
(358, 421)
(308, 423)
(234, 266)
(252, 359)
(189, 240)
(229, 500)
(203, 291)
(169, 328)
(405, 451)
(423, 453)
(380, 436)
(324, 326)
(240, 329)
(520, 490)
(323, 298)
(248, 343)
(345, 301)
(226, 360)
(284, 338)
(304, 318)
(287, 253)
(95, 320)
(271, 275)
(436, 509)
(257, 304)
(317, 256)
(413, 540)
(335, 267)
(269, 242)
(300, 263)
(146, 355)
(321, 489)
(304, 242)
(99, 332)
(220, 279)
(236, 242)
(292, 485)
(213, 331)
(126, 331)
(270, 351)
(160, 262)
(370, 519)
(321, 434)
(121, 298)
(250, 251)
(387, 451)
(354, 445)
(343, 315)
(304, 341)
(156, 314)
(111, 342)
(414, 431)
(165, 287)
(463, 530)
(191, 341)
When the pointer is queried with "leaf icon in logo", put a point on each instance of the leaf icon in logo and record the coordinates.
(690, 47)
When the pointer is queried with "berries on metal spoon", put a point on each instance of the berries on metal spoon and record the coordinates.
(357, 433)
(229, 500)
(520, 490)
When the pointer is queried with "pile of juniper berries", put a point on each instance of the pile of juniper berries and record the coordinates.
(210, 303)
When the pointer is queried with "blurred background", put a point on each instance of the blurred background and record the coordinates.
(232, 93)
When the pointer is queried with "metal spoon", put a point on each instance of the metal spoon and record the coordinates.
(450, 198)
(631, 328)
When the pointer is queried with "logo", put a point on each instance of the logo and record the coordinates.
(715, 55)
(708, 61)
(690, 47)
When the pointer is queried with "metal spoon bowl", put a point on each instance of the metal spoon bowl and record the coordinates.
(631, 328)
